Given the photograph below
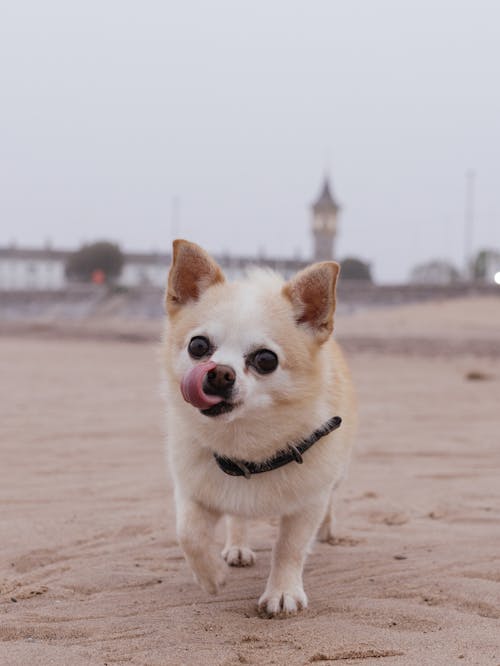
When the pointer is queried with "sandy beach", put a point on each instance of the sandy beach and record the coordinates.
(90, 571)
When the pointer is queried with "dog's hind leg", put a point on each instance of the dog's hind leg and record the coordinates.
(326, 532)
(237, 552)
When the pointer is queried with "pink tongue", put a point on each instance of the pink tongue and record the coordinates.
(192, 386)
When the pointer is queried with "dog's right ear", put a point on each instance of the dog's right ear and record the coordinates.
(192, 272)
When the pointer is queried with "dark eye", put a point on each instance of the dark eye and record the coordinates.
(199, 346)
(264, 361)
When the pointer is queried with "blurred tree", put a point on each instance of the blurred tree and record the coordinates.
(86, 262)
(485, 264)
(355, 269)
(436, 271)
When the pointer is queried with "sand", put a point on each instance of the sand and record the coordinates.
(90, 572)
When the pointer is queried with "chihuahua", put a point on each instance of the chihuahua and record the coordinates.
(256, 392)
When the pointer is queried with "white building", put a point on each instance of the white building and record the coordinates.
(141, 269)
(30, 268)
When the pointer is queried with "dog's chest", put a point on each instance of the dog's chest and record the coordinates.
(275, 492)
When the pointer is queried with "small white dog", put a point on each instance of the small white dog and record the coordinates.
(255, 386)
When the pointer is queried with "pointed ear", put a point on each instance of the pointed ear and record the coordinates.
(192, 272)
(312, 294)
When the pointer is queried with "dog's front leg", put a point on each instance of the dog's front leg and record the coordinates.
(284, 593)
(195, 531)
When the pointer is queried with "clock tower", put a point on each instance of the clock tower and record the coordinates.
(324, 224)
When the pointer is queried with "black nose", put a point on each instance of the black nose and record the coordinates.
(220, 380)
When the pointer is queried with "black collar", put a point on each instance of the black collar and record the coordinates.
(291, 452)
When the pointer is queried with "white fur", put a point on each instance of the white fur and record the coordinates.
(272, 410)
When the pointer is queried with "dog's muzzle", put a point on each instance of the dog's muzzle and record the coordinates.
(209, 387)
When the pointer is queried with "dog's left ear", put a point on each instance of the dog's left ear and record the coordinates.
(192, 272)
(312, 294)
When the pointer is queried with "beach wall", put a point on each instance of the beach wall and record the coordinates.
(82, 301)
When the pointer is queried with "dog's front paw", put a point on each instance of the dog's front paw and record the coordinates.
(277, 602)
(239, 556)
(210, 575)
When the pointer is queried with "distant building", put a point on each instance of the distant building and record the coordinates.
(324, 224)
(32, 268)
(44, 268)
(145, 268)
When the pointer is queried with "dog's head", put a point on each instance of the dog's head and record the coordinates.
(236, 349)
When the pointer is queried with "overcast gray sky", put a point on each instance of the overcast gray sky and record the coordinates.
(111, 108)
